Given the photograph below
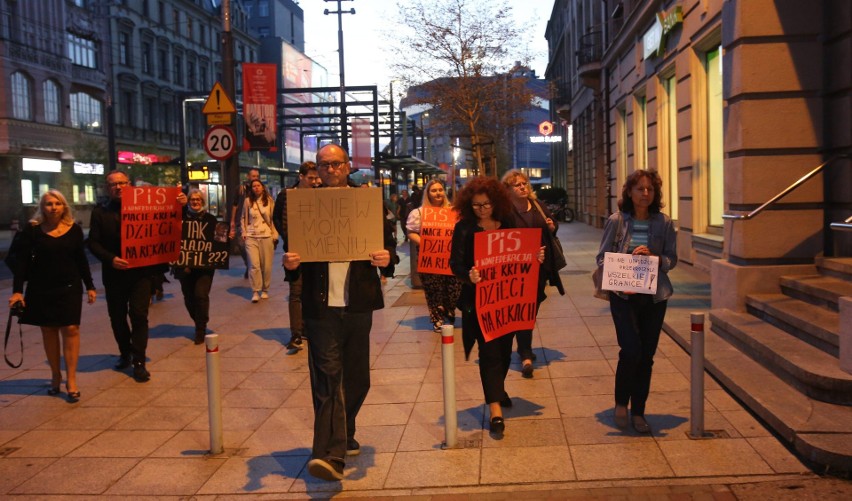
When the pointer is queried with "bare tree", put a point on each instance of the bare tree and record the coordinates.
(458, 57)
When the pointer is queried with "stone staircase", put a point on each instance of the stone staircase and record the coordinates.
(781, 359)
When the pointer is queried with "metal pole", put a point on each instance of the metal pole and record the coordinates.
(696, 415)
(232, 164)
(449, 366)
(184, 175)
(214, 393)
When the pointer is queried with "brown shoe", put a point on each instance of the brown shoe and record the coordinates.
(620, 417)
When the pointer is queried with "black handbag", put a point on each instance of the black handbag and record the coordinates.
(16, 310)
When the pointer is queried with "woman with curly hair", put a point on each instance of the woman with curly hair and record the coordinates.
(259, 235)
(442, 291)
(483, 204)
(638, 228)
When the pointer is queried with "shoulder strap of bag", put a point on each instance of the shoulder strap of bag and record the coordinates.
(538, 207)
(6, 342)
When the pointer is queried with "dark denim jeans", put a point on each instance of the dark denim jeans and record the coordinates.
(129, 297)
(339, 363)
(638, 321)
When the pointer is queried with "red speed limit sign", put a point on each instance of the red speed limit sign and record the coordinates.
(220, 142)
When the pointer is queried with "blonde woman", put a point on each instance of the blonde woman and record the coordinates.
(528, 212)
(53, 264)
(442, 291)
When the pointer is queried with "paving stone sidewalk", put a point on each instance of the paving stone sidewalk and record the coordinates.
(129, 439)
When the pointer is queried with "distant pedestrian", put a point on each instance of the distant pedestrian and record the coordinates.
(259, 236)
(392, 206)
(638, 228)
(52, 262)
(308, 178)
(237, 215)
(403, 212)
(442, 291)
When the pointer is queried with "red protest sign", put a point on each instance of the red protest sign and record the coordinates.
(436, 238)
(150, 225)
(506, 297)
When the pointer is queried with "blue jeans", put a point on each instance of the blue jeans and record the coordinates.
(638, 321)
(339, 363)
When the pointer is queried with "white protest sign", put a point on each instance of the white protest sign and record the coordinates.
(629, 273)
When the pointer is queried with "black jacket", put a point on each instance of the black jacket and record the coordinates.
(461, 261)
(365, 289)
(105, 243)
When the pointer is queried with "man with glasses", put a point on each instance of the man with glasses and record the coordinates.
(339, 300)
(308, 178)
(128, 290)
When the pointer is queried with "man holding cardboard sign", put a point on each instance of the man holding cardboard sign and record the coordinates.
(339, 297)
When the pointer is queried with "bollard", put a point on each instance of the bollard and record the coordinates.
(214, 393)
(697, 376)
(449, 366)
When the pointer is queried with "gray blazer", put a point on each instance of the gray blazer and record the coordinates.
(662, 241)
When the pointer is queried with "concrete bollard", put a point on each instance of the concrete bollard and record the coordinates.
(448, 358)
(214, 393)
(696, 417)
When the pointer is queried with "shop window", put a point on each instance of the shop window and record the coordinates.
(621, 146)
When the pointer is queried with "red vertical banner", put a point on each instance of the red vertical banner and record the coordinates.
(260, 93)
(507, 295)
(361, 150)
(151, 225)
(436, 238)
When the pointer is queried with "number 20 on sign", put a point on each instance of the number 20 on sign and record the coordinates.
(220, 142)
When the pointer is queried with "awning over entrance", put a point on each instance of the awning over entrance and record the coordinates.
(409, 164)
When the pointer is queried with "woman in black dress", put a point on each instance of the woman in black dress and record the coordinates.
(53, 264)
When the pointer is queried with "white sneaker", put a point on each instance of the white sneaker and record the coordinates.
(255, 298)
(264, 295)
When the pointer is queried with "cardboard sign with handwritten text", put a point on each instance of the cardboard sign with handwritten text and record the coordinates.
(507, 295)
(150, 225)
(204, 245)
(335, 224)
(629, 273)
(436, 238)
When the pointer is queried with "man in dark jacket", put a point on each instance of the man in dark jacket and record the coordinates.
(128, 290)
(308, 178)
(339, 300)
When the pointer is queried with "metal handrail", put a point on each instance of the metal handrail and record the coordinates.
(844, 226)
(786, 191)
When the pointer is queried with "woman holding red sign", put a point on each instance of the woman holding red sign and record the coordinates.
(638, 228)
(483, 204)
(529, 213)
(442, 291)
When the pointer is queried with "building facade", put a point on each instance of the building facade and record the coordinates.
(730, 101)
(735, 103)
(87, 77)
